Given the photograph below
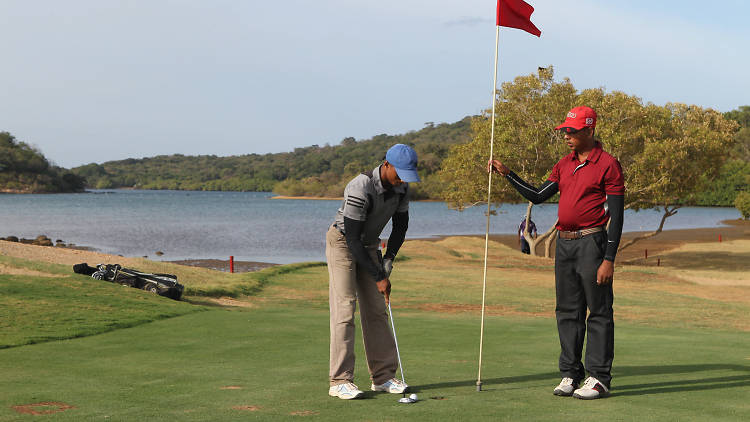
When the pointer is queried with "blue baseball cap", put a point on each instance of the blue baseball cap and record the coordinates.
(404, 159)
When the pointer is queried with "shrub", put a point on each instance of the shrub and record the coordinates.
(742, 203)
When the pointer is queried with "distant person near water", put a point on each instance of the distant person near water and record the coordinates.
(587, 178)
(525, 248)
(358, 273)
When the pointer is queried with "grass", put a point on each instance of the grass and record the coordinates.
(681, 348)
(276, 361)
(61, 305)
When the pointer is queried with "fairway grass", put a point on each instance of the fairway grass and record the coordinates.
(271, 363)
(682, 350)
(55, 304)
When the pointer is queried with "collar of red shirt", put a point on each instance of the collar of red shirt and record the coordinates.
(594, 155)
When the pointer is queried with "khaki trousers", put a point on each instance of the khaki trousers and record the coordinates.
(348, 284)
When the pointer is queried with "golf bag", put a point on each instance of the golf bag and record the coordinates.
(162, 284)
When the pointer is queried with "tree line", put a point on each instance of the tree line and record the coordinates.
(309, 171)
(451, 154)
(23, 169)
(672, 155)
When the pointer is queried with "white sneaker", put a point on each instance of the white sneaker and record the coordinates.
(346, 391)
(393, 386)
(566, 387)
(591, 389)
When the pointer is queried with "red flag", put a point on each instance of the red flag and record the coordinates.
(516, 14)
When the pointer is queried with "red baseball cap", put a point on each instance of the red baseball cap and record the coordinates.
(579, 118)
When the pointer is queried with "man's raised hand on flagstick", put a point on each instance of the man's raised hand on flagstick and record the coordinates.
(496, 166)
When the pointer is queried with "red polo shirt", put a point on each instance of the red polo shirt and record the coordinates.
(584, 186)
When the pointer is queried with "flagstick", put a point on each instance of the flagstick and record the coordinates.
(489, 190)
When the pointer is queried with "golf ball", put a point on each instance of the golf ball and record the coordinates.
(413, 397)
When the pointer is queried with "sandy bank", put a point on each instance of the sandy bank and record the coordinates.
(660, 245)
(664, 241)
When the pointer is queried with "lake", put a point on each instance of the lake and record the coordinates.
(253, 227)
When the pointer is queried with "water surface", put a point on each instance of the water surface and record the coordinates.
(252, 227)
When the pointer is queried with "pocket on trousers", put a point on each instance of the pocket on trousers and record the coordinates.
(600, 242)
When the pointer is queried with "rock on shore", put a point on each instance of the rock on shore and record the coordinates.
(41, 240)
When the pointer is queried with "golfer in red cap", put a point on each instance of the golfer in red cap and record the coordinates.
(590, 182)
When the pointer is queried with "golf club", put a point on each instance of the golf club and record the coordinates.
(412, 398)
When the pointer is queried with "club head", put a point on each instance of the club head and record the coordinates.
(406, 400)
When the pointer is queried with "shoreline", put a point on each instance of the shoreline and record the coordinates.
(341, 198)
(223, 264)
(653, 246)
(312, 198)
(664, 241)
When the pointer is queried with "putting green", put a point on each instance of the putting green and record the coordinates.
(681, 349)
(271, 363)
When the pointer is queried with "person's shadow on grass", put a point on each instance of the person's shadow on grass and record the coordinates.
(488, 382)
(694, 379)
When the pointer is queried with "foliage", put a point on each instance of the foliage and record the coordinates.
(742, 203)
(734, 174)
(668, 153)
(525, 111)
(733, 178)
(741, 115)
(309, 171)
(24, 169)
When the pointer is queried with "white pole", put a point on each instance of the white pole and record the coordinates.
(489, 205)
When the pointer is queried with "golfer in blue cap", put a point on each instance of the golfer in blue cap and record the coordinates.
(358, 273)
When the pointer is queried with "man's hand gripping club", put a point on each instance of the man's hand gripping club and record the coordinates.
(384, 287)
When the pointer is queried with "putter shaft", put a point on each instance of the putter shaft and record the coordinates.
(395, 340)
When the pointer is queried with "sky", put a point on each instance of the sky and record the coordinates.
(98, 80)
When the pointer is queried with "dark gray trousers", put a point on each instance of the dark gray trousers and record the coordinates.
(576, 264)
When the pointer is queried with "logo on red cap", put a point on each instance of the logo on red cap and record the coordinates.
(579, 118)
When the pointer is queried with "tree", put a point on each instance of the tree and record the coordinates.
(24, 169)
(742, 202)
(668, 153)
(348, 141)
(741, 149)
(526, 110)
(741, 115)
(683, 147)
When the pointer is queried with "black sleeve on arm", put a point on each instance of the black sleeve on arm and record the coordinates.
(353, 233)
(616, 206)
(398, 233)
(531, 193)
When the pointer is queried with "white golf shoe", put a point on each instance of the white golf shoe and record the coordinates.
(346, 391)
(591, 389)
(393, 386)
(566, 387)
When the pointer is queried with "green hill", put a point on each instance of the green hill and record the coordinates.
(23, 169)
(323, 171)
(310, 171)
